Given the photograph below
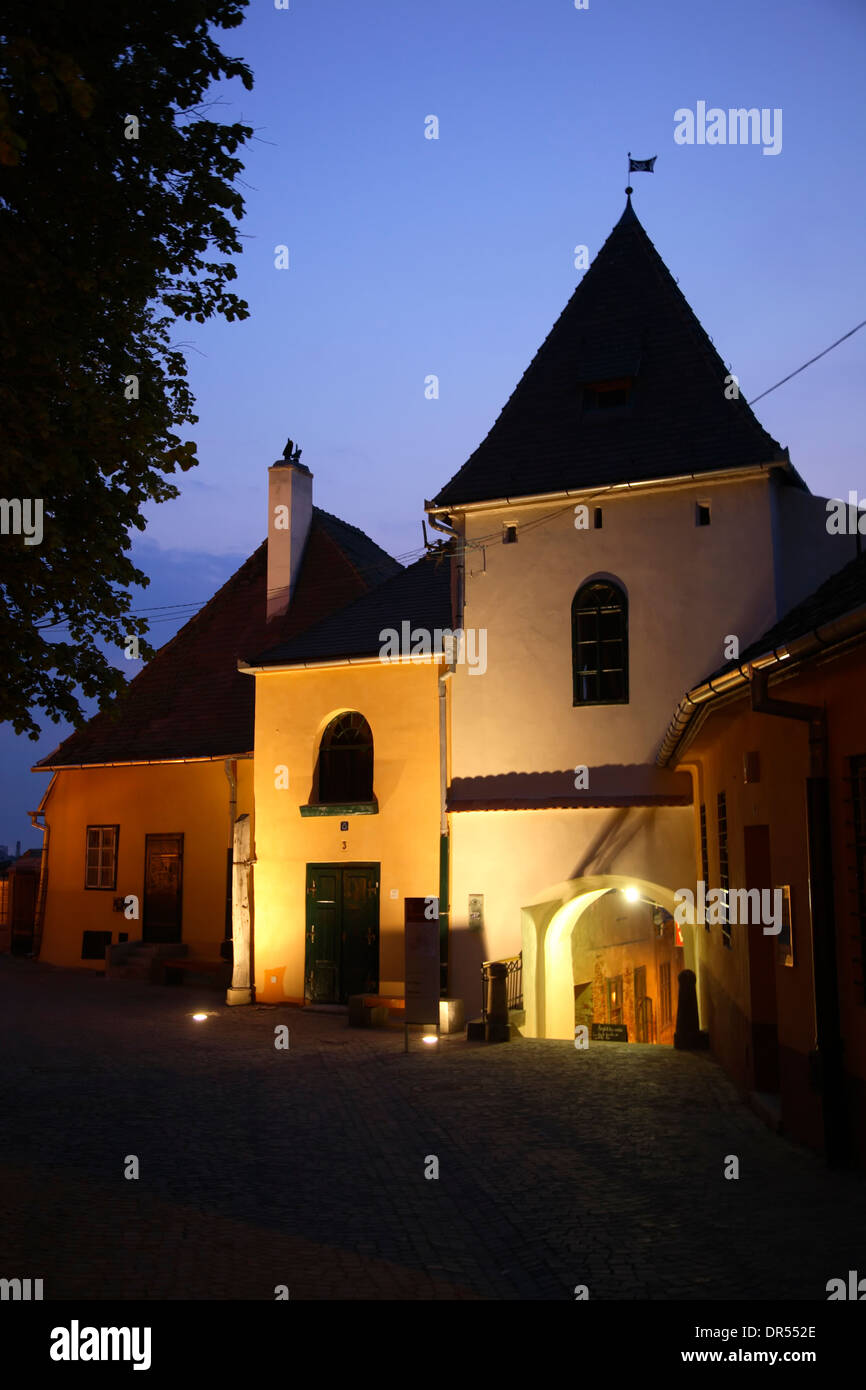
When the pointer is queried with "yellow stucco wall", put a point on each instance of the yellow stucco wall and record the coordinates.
(166, 798)
(401, 705)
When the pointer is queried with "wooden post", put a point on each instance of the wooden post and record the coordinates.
(240, 991)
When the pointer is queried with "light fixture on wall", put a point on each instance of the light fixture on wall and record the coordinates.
(631, 894)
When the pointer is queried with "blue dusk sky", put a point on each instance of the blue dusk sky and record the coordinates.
(411, 256)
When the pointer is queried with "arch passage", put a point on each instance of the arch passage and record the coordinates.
(345, 764)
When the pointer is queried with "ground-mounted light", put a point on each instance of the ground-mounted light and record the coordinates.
(429, 1038)
(199, 1018)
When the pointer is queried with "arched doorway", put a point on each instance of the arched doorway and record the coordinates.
(550, 950)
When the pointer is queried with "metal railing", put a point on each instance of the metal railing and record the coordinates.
(513, 981)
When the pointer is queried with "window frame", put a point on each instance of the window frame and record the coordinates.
(327, 752)
(101, 887)
(598, 672)
(724, 867)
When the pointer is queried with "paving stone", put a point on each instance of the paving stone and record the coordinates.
(306, 1167)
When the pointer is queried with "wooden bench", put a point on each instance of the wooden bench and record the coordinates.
(372, 1010)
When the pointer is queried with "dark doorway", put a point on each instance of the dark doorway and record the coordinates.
(163, 888)
(762, 965)
(342, 940)
(643, 1007)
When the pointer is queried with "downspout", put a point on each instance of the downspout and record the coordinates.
(42, 893)
(828, 1031)
(231, 771)
(444, 842)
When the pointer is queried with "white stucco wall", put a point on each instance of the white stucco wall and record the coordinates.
(514, 857)
(688, 588)
(806, 552)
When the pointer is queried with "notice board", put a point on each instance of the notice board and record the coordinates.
(422, 960)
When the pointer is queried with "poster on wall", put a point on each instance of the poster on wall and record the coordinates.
(422, 961)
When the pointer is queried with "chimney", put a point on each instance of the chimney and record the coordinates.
(290, 511)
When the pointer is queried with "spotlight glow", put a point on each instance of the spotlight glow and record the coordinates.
(631, 894)
(199, 1018)
(429, 1038)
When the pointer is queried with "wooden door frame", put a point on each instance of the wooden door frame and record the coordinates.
(334, 866)
(163, 835)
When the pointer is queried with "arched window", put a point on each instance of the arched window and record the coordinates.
(599, 644)
(345, 767)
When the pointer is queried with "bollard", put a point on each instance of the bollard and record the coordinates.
(688, 1034)
(497, 1027)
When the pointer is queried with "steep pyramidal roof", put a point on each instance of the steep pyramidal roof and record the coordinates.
(626, 319)
(191, 701)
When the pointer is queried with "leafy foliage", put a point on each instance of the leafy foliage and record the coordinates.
(104, 241)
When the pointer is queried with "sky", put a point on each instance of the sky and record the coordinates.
(410, 257)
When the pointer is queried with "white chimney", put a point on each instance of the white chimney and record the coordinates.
(290, 511)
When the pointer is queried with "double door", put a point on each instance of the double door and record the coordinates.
(342, 932)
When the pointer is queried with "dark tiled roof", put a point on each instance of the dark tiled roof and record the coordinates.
(626, 317)
(841, 593)
(419, 595)
(631, 785)
(191, 701)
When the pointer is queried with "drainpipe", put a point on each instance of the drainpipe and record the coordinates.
(231, 771)
(444, 842)
(42, 891)
(820, 864)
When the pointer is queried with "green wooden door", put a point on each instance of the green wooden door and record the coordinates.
(342, 931)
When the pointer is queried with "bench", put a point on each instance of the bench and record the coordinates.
(372, 1010)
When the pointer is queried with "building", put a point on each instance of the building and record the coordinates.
(140, 810)
(775, 747)
(482, 729)
(625, 515)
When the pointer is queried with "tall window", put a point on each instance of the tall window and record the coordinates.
(101, 866)
(724, 876)
(705, 855)
(345, 769)
(599, 644)
(858, 793)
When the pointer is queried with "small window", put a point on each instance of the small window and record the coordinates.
(509, 535)
(601, 396)
(94, 944)
(702, 514)
(101, 866)
(596, 520)
(345, 768)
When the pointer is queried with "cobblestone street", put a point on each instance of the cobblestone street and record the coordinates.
(305, 1167)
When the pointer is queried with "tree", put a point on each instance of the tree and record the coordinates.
(118, 216)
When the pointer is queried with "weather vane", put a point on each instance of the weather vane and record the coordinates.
(639, 166)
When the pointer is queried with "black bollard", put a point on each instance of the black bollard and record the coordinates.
(688, 1033)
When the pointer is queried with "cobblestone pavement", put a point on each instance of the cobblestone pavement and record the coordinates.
(305, 1167)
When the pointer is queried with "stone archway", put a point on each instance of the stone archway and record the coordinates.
(548, 926)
